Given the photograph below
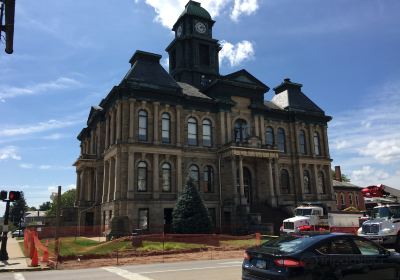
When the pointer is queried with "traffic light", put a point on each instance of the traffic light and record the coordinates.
(14, 195)
(3, 195)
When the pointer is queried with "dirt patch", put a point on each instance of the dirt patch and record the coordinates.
(112, 261)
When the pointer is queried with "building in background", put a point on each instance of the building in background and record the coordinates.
(156, 129)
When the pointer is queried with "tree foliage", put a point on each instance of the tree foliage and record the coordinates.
(345, 178)
(67, 200)
(17, 210)
(190, 214)
(45, 206)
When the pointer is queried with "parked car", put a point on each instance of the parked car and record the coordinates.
(320, 257)
(17, 233)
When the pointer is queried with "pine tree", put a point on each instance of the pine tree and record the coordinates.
(190, 215)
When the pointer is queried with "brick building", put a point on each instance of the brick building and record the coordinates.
(155, 129)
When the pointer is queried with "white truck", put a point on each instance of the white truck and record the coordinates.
(316, 218)
(384, 226)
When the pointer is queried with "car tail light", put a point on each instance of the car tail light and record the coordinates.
(288, 263)
(246, 256)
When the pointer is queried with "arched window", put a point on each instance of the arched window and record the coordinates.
(342, 199)
(192, 132)
(357, 201)
(241, 130)
(351, 199)
(207, 136)
(269, 136)
(306, 181)
(321, 182)
(302, 142)
(317, 144)
(208, 179)
(284, 182)
(336, 199)
(142, 125)
(142, 176)
(166, 128)
(166, 177)
(194, 175)
(281, 140)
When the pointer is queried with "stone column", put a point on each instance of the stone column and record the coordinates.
(314, 171)
(89, 185)
(156, 177)
(107, 142)
(178, 125)
(82, 185)
(111, 180)
(78, 186)
(155, 123)
(125, 120)
(241, 181)
(105, 181)
(228, 126)
(118, 120)
(131, 176)
(132, 119)
(112, 127)
(256, 126)
(222, 128)
(270, 178)
(234, 176)
(117, 174)
(311, 132)
(99, 185)
(262, 129)
(277, 181)
(179, 173)
(325, 147)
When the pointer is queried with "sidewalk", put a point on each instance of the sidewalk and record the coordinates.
(16, 259)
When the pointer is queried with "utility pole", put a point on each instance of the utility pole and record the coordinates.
(58, 211)
(3, 250)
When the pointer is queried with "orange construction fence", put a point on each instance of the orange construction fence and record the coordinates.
(34, 247)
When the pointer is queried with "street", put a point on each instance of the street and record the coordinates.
(216, 269)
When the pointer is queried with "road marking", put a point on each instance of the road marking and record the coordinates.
(125, 273)
(234, 262)
(189, 269)
(19, 276)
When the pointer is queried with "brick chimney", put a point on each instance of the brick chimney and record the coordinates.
(338, 174)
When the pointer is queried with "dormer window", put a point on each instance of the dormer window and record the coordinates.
(241, 131)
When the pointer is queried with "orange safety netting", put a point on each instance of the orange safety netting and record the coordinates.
(32, 243)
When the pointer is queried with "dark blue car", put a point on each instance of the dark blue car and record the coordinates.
(320, 257)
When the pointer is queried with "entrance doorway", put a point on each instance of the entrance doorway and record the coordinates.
(168, 220)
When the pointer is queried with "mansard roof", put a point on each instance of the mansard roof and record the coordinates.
(244, 77)
(147, 73)
(194, 8)
(288, 96)
(191, 91)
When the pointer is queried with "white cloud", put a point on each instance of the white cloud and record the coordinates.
(26, 165)
(385, 151)
(44, 167)
(168, 11)
(54, 136)
(246, 7)
(58, 84)
(236, 54)
(36, 128)
(368, 175)
(9, 152)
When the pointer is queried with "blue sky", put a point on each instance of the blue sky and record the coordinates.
(68, 55)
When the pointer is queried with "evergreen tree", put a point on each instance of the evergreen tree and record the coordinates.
(190, 215)
(17, 210)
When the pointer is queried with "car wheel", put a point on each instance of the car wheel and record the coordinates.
(397, 245)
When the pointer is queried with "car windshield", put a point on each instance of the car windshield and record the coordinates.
(288, 244)
(381, 212)
(303, 212)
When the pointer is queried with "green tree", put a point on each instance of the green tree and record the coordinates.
(190, 215)
(45, 206)
(17, 210)
(67, 200)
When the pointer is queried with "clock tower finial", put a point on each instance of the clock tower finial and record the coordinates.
(193, 54)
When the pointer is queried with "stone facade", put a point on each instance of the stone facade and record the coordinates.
(154, 130)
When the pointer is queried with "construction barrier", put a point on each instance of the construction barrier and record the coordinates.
(34, 247)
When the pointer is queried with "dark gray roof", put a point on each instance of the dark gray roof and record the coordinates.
(288, 96)
(146, 72)
(194, 8)
(190, 90)
(342, 184)
(271, 105)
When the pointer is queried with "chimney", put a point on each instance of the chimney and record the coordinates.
(338, 174)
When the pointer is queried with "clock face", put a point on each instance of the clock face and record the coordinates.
(179, 31)
(200, 27)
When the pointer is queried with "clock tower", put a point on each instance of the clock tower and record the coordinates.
(193, 54)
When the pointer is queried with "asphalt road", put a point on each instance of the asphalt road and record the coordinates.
(194, 270)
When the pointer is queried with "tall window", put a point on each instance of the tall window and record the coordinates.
(321, 182)
(302, 142)
(351, 199)
(281, 140)
(166, 128)
(207, 133)
(336, 199)
(342, 199)
(317, 144)
(166, 177)
(284, 182)
(209, 179)
(306, 181)
(269, 136)
(192, 132)
(357, 201)
(142, 125)
(144, 218)
(142, 176)
(194, 175)
(241, 131)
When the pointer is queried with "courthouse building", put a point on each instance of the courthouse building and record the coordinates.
(156, 129)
